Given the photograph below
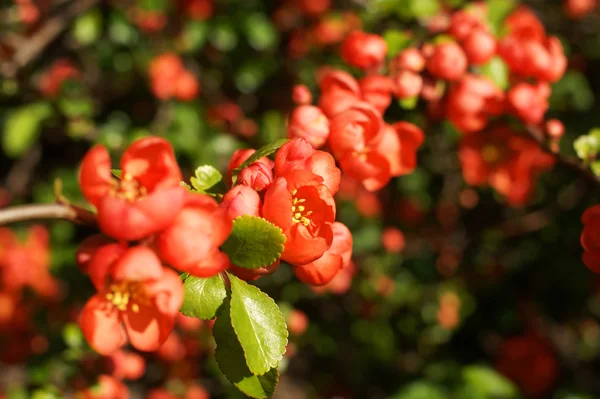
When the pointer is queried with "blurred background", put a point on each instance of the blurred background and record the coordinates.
(453, 293)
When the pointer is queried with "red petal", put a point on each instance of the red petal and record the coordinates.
(301, 247)
(322, 164)
(212, 265)
(167, 292)
(151, 161)
(101, 325)
(95, 175)
(147, 329)
(101, 263)
(129, 221)
(277, 204)
(320, 271)
(372, 169)
(293, 155)
(138, 264)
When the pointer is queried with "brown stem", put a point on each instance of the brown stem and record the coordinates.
(23, 213)
(569, 162)
(51, 29)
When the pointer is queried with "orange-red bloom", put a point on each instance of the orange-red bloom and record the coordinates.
(146, 199)
(337, 257)
(298, 154)
(310, 123)
(303, 207)
(504, 160)
(137, 300)
(363, 50)
(191, 243)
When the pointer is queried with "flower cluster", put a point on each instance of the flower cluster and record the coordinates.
(295, 193)
(148, 219)
(51, 81)
(349, 118)
(504, 160)
(447, 75)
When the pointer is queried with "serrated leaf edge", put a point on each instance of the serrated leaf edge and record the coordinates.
(272, 224)
(287, 334)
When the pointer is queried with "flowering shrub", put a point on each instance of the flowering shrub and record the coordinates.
(345, 199)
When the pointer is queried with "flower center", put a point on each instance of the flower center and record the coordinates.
(125, 293)
(299, 212)
(127, 188)
(490, 153)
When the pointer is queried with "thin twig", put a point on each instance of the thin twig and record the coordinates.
(24, 213)
(30, 50)
(569, 162)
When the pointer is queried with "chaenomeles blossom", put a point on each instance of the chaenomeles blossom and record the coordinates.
(340, 90)
(126, 365)
(354, 139)
(191, 242)
(590, 238)
(259, 176)
(505, 160)
(363, 50)
(298, 154)
(323, 270)
(145, 200)
(26, 264)
(399, 145)
(303, 207)
(310, 123)
(137, 300)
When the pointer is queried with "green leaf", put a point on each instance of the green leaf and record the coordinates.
(595, 166)
(420, 390)
(206, 177)
(424, 8)
(116, 172)
(73, 336)
(88, 27)
(230, 359)
(22, 128)
(260, 32)
(497, 11)
(587, 146)
(409, 103)
(203, 296)
(263, 151)
(253, 242)
(497, 71)
(259, 325)
(484, 383)
(396, 41)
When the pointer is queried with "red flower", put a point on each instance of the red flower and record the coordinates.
(241, 200)
(310, 123)
(590, 238)
(191, 243)
(303, 207)
(258, 176)
(399, 145)
(301, 95)
(52, 80)
(240, 156)
(354, 139)
(137, 302)
(363, 50)
(297, 322)
(127, 365)
(529, 102)
(448, 61)
(377, 91)
(339, 90)
(530, 362)
(337, 257)
(504, 160)
(27, 264)
(145, 200)
(298, 154)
